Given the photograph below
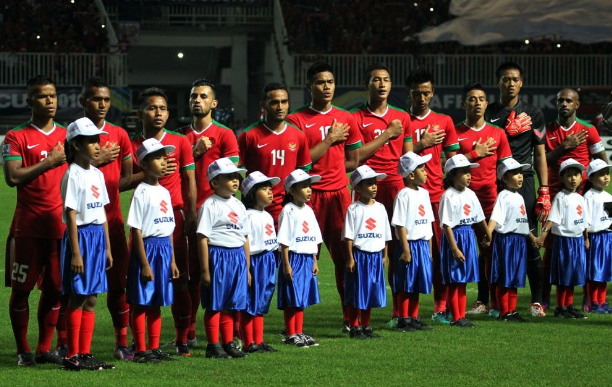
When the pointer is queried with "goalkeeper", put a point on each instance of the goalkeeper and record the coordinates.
(525, 128)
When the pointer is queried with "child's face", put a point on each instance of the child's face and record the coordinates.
(513, 180)
(225, 185)
(462, 179)
(89, 146)
(366, 189)
(154, 164)
(571, 179)
(264, 195)
(600, 179)
(301, 192)
(420, 175)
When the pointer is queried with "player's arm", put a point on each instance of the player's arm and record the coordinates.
(402, 235)
(544, 233)
(570, 142)
(125, 178)
(351, 159)
(337, 133)
(601, 156)
(188, 186)
(368, 149)
(385, 254)
(76, 263)
(16, 174)
(109, 255)
(203, 255)
(541, 166)
(585, 234)
(146, 274)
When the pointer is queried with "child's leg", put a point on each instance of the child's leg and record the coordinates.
(258, 329)
(138, 327)
(413, 305)
(453, 302)
(74, 314)
(512, 296)
(246, 327)
(289, 316)
(353, 316)
(461, 298)
(569, 296)
(560, 295)
(502, 300)
(88, 321)
(226, 325)
(593, 291)
(403, 302)
(154, 325)
(299, 321)
(211, 325)
(603, 289)
(365, 317)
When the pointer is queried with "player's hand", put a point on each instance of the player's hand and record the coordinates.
(288, 273)
(350, 265)
(108, 153)
(484, 149)
(174, 271)
(315, 268)
(338, 132)
(57, 156)
(406, 257)
(76, 264)
(543, 206)
(574, 139)
(109, 260)
(191, 223)
(205, 279)
(458, 255)
(146, 274)
(394, 129)
(171, 166)
(517, 125)
(431, 138)
(201, 146)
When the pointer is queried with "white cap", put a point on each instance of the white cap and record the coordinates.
(510, 164)
(363, 173)
(458, 161)
(149, 146)
(409, 162)
(570, 163)
(254, 179)
(596, 166)
(299, 176)
(83, 127)
(222, 166)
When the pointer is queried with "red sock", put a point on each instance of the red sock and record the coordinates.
(258, 329)
(502, 299)
(603, 289)
(181, 312)
(353, 316)
(194, 292)
(299, 321)
(453, 302)
(226, 325)
(413, 305)
(403, 303)
(560, 295)
(19, 312)
(154, 324)
(246, 327)
(339, 272)
(88, 321)
(73, 328)
(462, 298)
(512, 296)
(365, 317)
(138, 328)
(289, 316)
(120, 314)
(211, 325)
(48, 311)
(569, 296)
(60, 328)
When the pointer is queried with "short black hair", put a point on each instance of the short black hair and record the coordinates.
(92, 82)
(507, 66)
(418, 76)
(469, 87)
(250, 199)
(367, 74)
(150, 92)
(38, 80)
(270, 87)
(318, 67)
(204, 82)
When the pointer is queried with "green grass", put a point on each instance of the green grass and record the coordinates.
(546, 351)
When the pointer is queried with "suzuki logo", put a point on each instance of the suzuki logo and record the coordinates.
(164, 206)
(370, 224)
(422, 210)
(269, 229)
(522, 209)
(95, 192)
(233, 217)
(579, 210)
(467, 209)
(305, 228)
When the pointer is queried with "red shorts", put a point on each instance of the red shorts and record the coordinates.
(116, 275)
(32, 261)
(386, 194)
(330, 209)
(181, 249)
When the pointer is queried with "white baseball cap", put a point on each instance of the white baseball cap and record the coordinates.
(596, 166)
(222, 166)
(256, 178)
(409, 162)
(510, 164)
(458, 161)
(364, 172)
(149, 146)
(299, 176)
(570, 163)
(83, 127)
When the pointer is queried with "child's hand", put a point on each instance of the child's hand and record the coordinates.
(587, 243)
(385, 260)
(486, 241)
(350, 265)
(205, 279)
(459, 257)
(288, 272)
(146, 274)
(538, 242)
(406, 257)
(109, 260)
(249, 278)
(174, 271)
(315, 268)
(76, 264)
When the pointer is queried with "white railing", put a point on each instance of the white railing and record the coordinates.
(457, 70)
(64, 69)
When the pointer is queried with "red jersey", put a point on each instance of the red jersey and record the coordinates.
(38, 213)
(274, 153)
(223, 145)
(315, 125)
(183, 157)
(555, 134)
(112, 173)
(371, 125)
(435, 175)
(484, 178)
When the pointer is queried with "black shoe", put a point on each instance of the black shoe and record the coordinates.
(405, 325)
(346, 327)
(283, 332)
(253, 348)
(562, 312)
(357, 333)
(367, 330)
(25, 359)
(266, 348)
(517, 317)
(48, 358)
(89, 363)
(419, 325)
(216, 351)
(231, 349)
(162, 356)
(462, 323)
(576, 313)
(72, 363)
(61, 351)
(504, 317)
(146, 357)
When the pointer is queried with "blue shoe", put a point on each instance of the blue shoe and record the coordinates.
(606, 307)
(440, 317)
(596, 308)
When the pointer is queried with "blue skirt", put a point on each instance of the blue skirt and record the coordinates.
(263, 283)
(509, 263)
(92, 244)
(416, 276)
(599, 257)
(303, 291)
(228, 280)
(454, 272)
(158, 292)
(568, 261)
(365, 288)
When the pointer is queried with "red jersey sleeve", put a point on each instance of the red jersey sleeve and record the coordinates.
(186, 157)
(242, 147)
(11, 148)
(303, 157)
(125, 145)
(594, 141)
(229, 145)
(450, 142)
(503, 149)
(354, 138)
(406, 124)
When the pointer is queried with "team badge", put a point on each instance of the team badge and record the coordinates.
(292, 146)
(6, 150)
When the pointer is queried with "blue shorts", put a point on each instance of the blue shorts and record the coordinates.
(509, 263)
(365, 288)
(416, 276)
(228, 280)
(599, 257)
(159, 291)
(568, 261)
(92, 244)
(454, 272)
(303, 291)
(263, 283)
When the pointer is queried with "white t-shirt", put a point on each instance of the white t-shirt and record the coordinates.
(151, 211)
(367, 226)
(298, 229)
(263, 235)
(459, 208)
(510, 214)
(412, 210)
(568, 214)
(84, 191)
(223, 221)
(595, 215)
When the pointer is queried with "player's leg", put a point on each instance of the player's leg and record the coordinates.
(181, 307)
(486, 290)
(440, 290)
(534, 260)
(194, 288)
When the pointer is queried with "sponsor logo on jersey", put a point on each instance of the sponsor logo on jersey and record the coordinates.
(467, 209)
(552, 138)
(95, 191)
(522, 209)
(370, 224)
(306, 239)
(369, 235)
(32, 146)
(309, 126)
(422, 210)
(467, 220)
(292, 146)
(261, 145)
(366, 125)
(462, 139)
(6, 149)
(91, 206)
(164, 219)
(233, 217)
(269, 229)
(495, 119)
(270, 242)
(305, 228)
(579, 210)
(163, 206)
